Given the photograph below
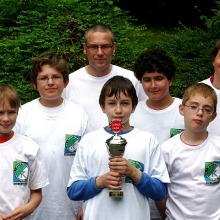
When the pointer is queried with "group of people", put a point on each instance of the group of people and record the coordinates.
(54, 155)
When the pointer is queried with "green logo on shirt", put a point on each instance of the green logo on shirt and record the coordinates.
(20, 172)
(212, 172)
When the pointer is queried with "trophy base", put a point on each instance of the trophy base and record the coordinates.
(117, 194)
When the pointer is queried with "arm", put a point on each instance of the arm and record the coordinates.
(83, 189)
(79, 215)
(26, 209)
(161, 207)
(86, 189)
(148, 186)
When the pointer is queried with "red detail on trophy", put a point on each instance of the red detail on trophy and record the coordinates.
(116, 126)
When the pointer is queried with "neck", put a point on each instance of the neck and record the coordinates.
(160, 104)
(98, 72)
(7, 137)
(51, 103)
(193, 139)
(216, 81)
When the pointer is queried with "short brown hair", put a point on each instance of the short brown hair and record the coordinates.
(54, 61)
(98, 28)
(116, 85)
(8, 93)
(201, 89)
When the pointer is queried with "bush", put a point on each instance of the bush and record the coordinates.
(29, 28)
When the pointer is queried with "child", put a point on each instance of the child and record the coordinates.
(57, 125)
(22, 168)
(141, 172)
(193, 160)
(159, 114)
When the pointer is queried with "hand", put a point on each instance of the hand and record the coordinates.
(120, 165)
(19, 213)
(79, 215)
(124, 168)
(110, 180)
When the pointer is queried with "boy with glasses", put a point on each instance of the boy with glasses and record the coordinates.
(57, 125)
(193, 160)
(86, 83)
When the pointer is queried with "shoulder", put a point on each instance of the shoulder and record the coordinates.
(26, 143)
(77, 73)
(25, 139)
(144, 135)
(74, 109)
(31, 103)
(28, 107)
(214, 138)
(94, 138)
(206, 81)
(73, 106)
(117, 70)
(177, 100)
(121, 69)
(169, 143)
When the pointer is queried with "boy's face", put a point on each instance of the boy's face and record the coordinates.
(8, 116)
(198, 113)
(50, 85)
(119, 108)
(156, 85)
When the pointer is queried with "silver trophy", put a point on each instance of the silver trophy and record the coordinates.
(116, 148)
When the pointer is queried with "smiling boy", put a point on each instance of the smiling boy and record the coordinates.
(94, 172)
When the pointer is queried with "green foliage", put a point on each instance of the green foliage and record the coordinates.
(29, 28)
(213, 23)
(190, 49)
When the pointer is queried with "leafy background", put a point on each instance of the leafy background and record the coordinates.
(29, 28)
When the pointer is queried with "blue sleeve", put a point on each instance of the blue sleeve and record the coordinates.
(83, 190)
(152, 187)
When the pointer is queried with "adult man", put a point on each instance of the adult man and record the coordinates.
(214, 82)
(86, 83)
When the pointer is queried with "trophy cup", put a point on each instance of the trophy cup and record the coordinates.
(116, 148)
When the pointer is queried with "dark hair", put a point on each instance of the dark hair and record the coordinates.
(54, 61)
(154, 60)
(98, 28)
(8, 93)
(215, 50)
(116, 85)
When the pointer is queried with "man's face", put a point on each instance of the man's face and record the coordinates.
(99, 50)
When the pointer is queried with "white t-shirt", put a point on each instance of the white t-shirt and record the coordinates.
(85, 89)
(158, 122)
(163, 124)
(22, 169)
(191, 192)
(214, 126)
(57, 130)
(92, 160)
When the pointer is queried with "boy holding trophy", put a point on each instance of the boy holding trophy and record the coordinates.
(116, 183)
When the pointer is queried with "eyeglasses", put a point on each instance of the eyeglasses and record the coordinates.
(45, 79)
(195, 109)
(104, 47)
